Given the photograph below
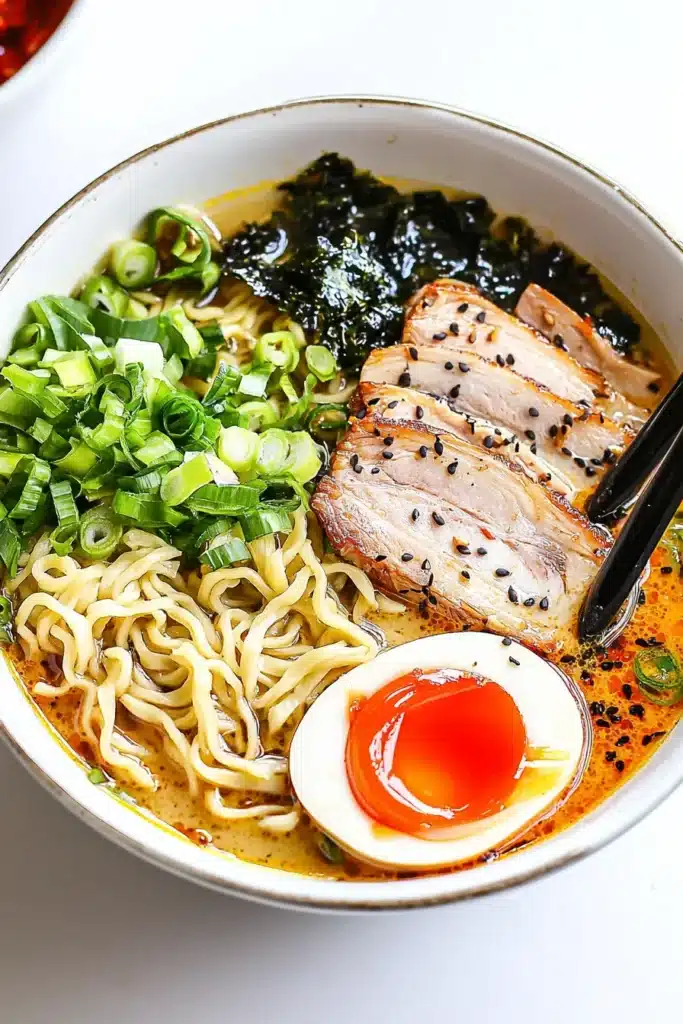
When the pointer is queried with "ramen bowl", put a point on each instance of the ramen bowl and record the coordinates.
(402, 139)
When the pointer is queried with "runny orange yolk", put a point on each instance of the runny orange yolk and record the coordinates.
(433, 749)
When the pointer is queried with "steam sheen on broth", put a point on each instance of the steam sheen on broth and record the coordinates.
(296, 570)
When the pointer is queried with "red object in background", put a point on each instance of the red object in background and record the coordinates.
(25, 25)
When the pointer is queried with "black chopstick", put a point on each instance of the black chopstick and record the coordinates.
(634, 545)
(622, 481)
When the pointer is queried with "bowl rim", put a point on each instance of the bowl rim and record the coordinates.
(41, 59)
(351, 894)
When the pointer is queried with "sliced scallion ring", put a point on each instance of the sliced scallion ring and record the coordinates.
(238, 448)
(99, 533)
(103, 293)
(321, 362)
(228, 553)
(133, 263)
(263, 522)
(273, 452)
(184, 480)
(659, 676)
(279, 349)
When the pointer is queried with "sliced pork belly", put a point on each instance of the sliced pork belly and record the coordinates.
(578, 445)
(541, 310)
(406, 405)
(458, 530)
(456, 315)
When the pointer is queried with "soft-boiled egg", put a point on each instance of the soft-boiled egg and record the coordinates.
(440, 750)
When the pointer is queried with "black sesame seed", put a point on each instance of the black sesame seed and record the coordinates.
(529, 602)
(565, 451)
(567, 419)
(404, 379)
(407, 557)
(481, 551)
(608, 456)
(415, 515)
(422, 606)
(507, 641)
(580, 462)
(426, 565)
(422, 451)
(463, 307)
(373, 401)
(544, 604)
(387, 455)
(666, 570)
(619, 765)
(614, 718)
(602, 722)
(357, 469)
(413, 352)
(481, 317)
(375, 470)
(530, 434)
(431, 599)
(597, 707)
(392, 405)
(489, 441)
(646, 741)
(607, 666)
(500, 360)
(658, 735)
(454, 392)
(558, 340)
(419, 412)
(452, 468)
(439, 337)
(653, 386)
(354, 459)
(439, 520)
(464, 573)
(623, 740)
(585, 674)
(438, 446)
(611, 755)
(513, 660)
(590, 471)
(533, 411)
(512, 595)
(448, 365)
(463, 367)
(362, 414)
(553, 430)
(502, 572)
(637, 710)
(377, 432)
(533, 451)
(388, 441)
(463, 549)
(454, 328)
(430, 580)
(380, 558)
(510, 359)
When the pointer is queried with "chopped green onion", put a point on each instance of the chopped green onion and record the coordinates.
(29, 499)
(264, 521)
(228, 553)
(209, 277)
(176, 235)
(273, 452)
(184, 480)
(182, 333)
(277, 349)
(97, 777)
(147, 481)
(133, 263)
(181, 415)
(99, 533)
(329, 850)
(258, 414)
(303, 461)
(75, 313)
(238, 448)
(9, 462)
(149, 354)
(225, 383)
(10, 546)
(255, 382)
(173, 369)
(6, 619)
(63, 500)
(327, 422)
(296, 415)
(60, 331)
(158, 448)
(79, 461)
(102, 357)
(321, 362)
(659, 676)
(63, 539)
(101, 293)
(146, 510)
(75, 370)
(224, 500)
(114, 327)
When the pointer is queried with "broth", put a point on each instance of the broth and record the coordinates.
(626, 729)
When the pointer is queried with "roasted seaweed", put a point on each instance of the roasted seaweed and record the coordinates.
(344, 251)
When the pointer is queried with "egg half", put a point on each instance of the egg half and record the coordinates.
(440, 750)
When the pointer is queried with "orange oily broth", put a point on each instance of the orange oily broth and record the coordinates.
(660, 617)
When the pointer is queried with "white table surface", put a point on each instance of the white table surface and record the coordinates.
(87, 932)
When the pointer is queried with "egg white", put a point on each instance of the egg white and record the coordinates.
(554, 714)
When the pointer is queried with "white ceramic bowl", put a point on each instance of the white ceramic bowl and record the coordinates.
(392, 137)
(33, 72)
